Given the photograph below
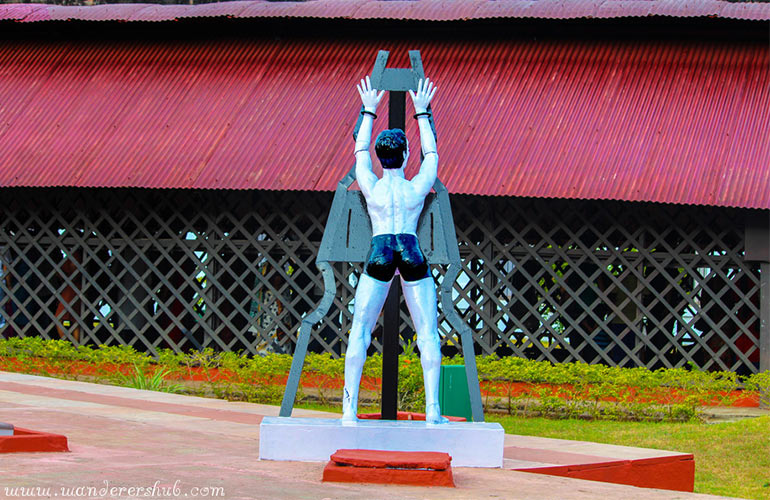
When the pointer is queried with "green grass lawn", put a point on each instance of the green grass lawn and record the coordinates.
(731, 459)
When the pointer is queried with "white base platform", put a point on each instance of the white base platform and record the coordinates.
(470, 444)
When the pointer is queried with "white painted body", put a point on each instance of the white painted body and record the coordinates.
(394, 205)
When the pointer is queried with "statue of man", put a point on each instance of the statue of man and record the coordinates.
(394, 205)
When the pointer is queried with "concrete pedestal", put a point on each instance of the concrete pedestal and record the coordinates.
(470, 444)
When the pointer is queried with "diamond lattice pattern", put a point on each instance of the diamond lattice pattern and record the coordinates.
(625, 284)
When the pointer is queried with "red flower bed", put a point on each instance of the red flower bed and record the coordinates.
(76, 368)
(663, 395)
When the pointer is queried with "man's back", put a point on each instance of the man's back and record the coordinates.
(394, 205)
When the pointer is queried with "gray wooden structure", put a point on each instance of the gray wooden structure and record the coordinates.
(348, 234)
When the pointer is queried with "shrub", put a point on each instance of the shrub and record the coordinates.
(516, 385)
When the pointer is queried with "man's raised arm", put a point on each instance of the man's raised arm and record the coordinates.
(425, 179)
(370, 99)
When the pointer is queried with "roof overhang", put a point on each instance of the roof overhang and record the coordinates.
(673, 122)
(422, 10)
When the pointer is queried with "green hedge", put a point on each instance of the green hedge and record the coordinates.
(515, 385)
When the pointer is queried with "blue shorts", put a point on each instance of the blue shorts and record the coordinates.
(396, 251)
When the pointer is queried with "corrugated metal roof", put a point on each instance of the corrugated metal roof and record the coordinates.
(428, 10)
(677, 122)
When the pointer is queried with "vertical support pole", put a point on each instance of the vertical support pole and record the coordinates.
(764, 325)
(489, 280)
(390, 345)
(764, 316)
(391, 319)
(757, 246)
(130, 287)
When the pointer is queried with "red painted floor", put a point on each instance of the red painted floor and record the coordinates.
(126, 436)
(139, 404)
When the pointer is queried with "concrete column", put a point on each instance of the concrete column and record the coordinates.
(758, 250)
(138, 322)
(764, 317)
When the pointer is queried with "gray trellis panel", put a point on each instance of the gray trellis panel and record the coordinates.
(624, 284)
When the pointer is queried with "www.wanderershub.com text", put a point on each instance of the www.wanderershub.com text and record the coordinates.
(107, 490)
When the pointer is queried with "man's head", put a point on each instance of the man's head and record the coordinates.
(391, 148)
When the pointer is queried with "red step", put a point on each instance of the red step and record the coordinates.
(669, 471)
(418, 468)
(25, 440)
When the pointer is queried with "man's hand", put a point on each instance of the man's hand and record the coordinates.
(426, 177)
(369, 96)
(364, 175)
(425, 93)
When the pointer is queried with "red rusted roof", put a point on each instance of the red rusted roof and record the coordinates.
(678, 122)
(428, 10)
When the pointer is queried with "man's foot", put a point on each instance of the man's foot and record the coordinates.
(433, 414)
(349, 406)
(349, 418)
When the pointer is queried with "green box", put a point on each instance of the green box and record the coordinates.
(453, 394)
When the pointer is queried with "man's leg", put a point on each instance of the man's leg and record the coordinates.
(420, 297)
(370, 296)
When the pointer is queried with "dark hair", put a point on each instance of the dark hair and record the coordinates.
(390, 147)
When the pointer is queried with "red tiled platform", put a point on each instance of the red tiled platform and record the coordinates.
(106, 426)
(135, 403)
(669, 471)
(419, 468)
(25, 440)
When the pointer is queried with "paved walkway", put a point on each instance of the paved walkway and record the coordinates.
(124, 438)
(721, 414)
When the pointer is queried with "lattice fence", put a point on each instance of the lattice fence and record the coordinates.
(620, 283)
